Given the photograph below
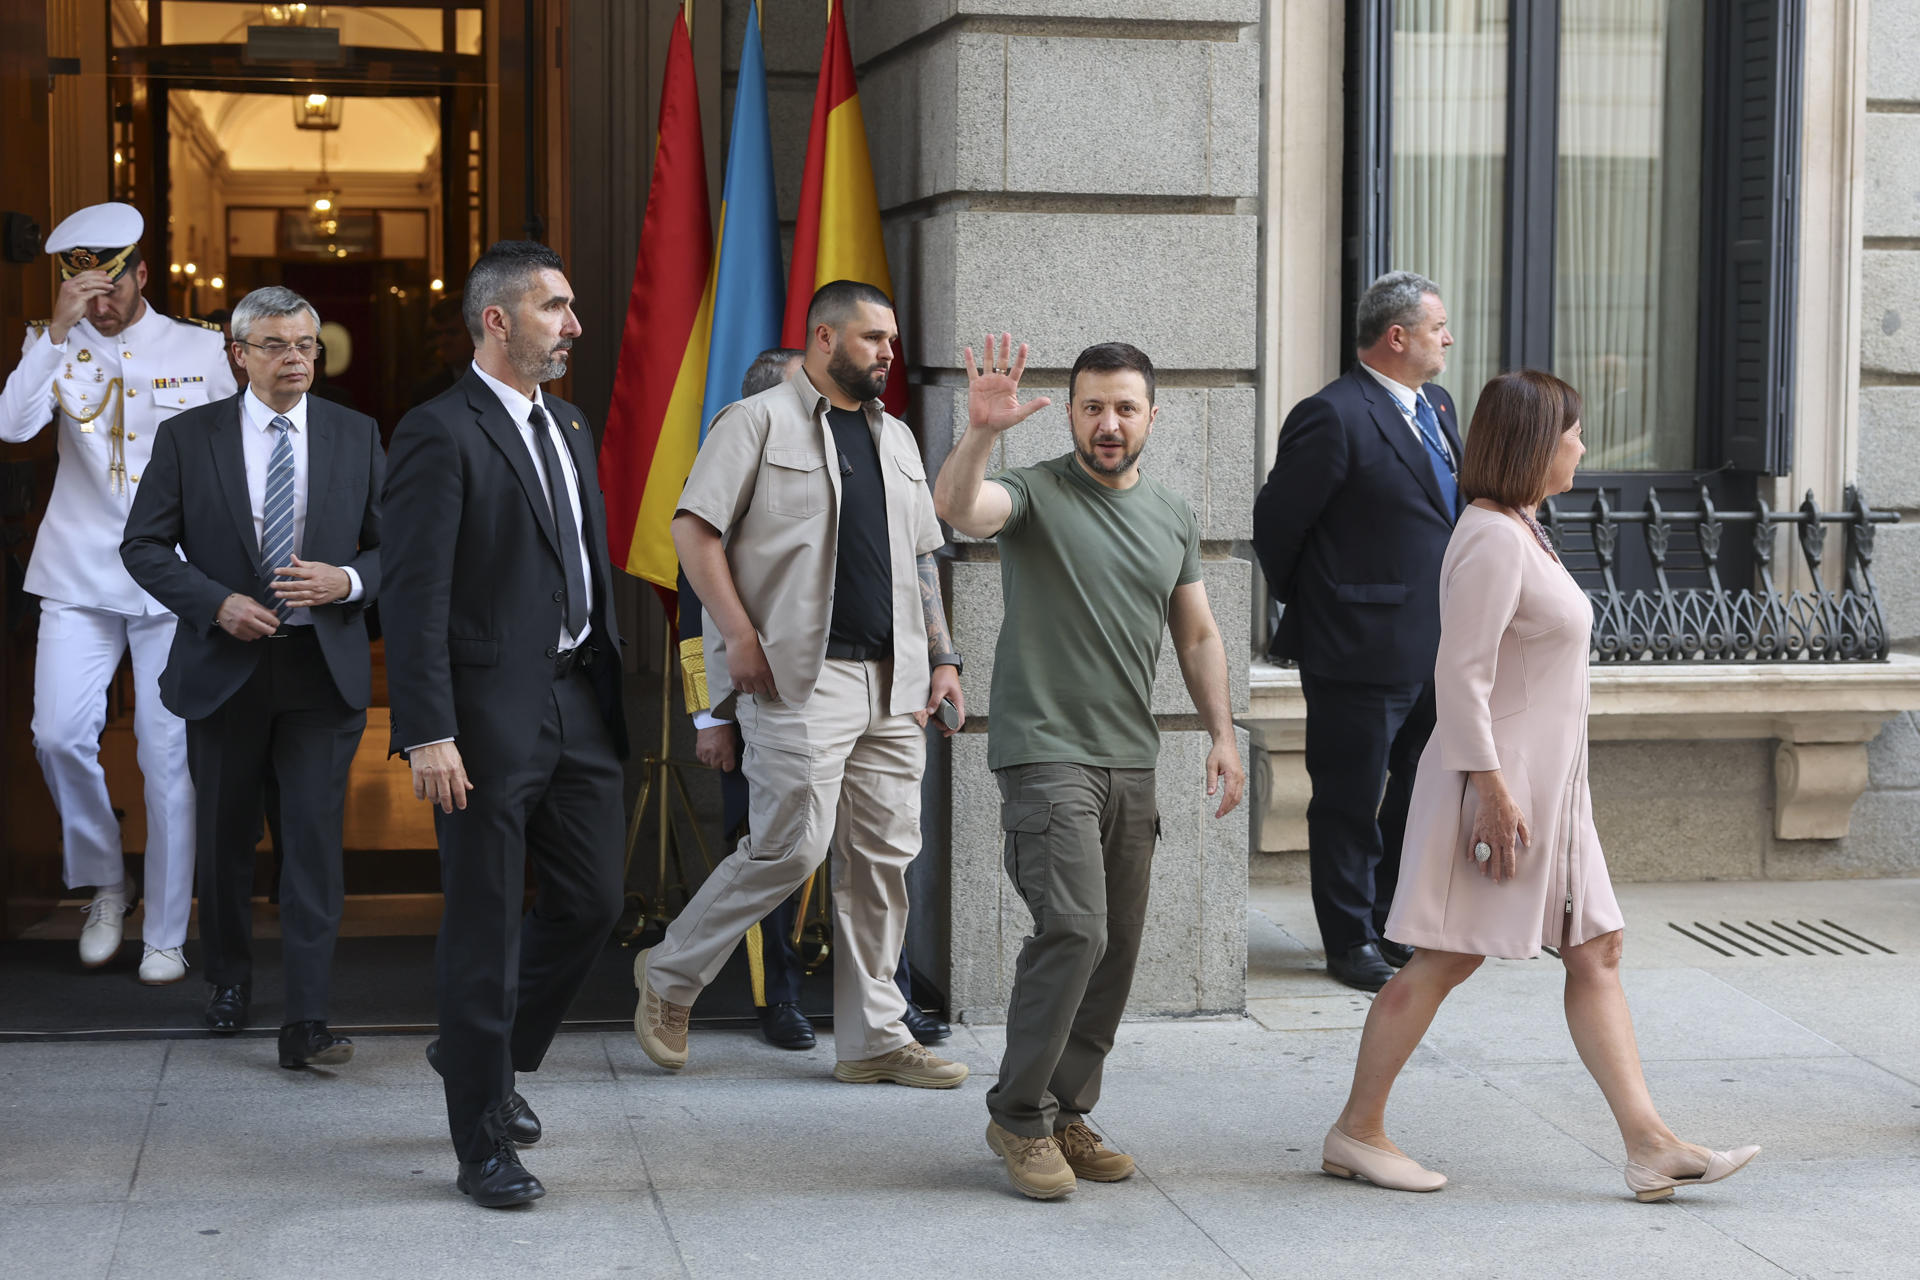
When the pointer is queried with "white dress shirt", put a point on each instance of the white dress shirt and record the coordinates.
(1404, 396)
(520, 409)
(257, 441)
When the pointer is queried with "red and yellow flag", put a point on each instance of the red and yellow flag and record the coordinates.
(837, 235)
(653, 425)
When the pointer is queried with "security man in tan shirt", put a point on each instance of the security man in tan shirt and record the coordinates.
(807, 529)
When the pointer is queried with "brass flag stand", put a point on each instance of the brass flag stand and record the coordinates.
(661, 779)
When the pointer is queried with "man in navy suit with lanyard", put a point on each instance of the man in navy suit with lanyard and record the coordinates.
(1350, 528)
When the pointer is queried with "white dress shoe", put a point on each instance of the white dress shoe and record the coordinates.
(161, 965)
(106, 916)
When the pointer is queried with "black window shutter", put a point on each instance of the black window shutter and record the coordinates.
(1368, 207)
(1752, 235)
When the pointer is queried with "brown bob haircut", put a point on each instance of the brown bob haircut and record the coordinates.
(1516, 427)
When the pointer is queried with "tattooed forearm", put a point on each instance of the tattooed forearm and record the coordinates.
(938, 640)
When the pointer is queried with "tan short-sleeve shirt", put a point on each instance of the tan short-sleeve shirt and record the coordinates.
(762, 479)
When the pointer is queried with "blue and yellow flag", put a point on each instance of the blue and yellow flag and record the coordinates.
(748, 294)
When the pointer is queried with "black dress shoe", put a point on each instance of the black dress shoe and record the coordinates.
(227, 1008)
(500, 1181)
(310, 1044)
(1361, 967)
(522, 1126)
(1393, 953)
(784, 1027)
(924, 1027)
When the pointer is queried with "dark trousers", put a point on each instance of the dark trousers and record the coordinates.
(506, 974)
(1363, 747)
(1079, 848)
(781, 964)
(288, 722)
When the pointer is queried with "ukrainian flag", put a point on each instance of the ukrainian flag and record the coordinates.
(748, 292)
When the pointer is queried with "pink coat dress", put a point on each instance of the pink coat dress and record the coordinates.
(1511, 693)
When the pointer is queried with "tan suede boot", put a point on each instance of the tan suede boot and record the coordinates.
(911, 1065)
(1034, 1165)
(1089, 1157)
(659, 1025)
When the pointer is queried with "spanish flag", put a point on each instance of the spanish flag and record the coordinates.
(837, 235)
(653, 424)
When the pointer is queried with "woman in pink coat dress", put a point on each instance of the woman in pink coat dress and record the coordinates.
(1501, 856)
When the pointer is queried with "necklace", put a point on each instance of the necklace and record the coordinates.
(1539, 534)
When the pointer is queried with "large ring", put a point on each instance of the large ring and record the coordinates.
(1482, 851)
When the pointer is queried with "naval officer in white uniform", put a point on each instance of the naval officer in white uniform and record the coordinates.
(108, 371)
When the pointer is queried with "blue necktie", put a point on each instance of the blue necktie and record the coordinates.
(1429, 428)
(276, 538)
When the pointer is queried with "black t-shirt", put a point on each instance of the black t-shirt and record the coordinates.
(863, 573)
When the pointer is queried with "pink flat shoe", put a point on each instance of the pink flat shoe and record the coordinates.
(1646, 1184)
(1346, 1157)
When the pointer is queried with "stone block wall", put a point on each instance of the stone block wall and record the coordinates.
(1887, 816)
(1072, 171)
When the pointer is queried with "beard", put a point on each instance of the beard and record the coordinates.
(537, 361)
(1093, 463)
(861, 384)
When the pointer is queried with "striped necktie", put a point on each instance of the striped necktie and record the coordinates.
(276, 539)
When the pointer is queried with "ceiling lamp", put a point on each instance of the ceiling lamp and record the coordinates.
(293, 15)
(323, 200)
(318, 111)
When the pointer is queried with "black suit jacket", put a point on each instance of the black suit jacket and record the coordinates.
(475, 587)
(193, 495)
(1350, 528)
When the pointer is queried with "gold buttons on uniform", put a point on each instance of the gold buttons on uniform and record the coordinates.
(126, 355)
(132, 436)
(131, 392)
(135, 479)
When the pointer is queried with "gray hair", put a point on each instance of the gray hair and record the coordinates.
(267, 303)
(768, 370)
(1396, 298)
(500, 278)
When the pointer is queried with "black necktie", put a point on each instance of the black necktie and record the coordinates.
(562, 521)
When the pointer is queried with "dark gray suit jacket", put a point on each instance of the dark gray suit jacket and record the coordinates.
(193, 496)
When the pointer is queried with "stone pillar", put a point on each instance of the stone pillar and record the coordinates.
(1076, 171)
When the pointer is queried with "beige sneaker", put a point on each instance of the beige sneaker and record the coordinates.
(1089, 1157)
(911, 1064)
(1035, 1165)
(659, 1025)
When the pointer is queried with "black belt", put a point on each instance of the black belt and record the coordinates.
(847, 651)
(580, 657)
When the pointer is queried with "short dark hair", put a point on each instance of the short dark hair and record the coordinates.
(768, 370)
(834, 301)
(1396, 298)
(1516, 427)
(1111, 357)
(501, 277)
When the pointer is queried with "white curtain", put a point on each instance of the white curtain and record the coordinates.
(1449, 172)
(1627, 238)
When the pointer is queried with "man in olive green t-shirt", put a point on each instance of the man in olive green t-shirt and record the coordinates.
(1097, 561)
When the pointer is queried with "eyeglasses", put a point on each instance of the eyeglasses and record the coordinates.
(277, 350)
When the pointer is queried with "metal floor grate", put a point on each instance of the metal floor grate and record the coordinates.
(1779, 938)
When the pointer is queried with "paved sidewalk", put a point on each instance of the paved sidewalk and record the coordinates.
(194, 1158)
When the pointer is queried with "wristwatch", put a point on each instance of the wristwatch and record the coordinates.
(946, 660)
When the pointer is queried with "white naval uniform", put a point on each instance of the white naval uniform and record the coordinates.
(91, 611)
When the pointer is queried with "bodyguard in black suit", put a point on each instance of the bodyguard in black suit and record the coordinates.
(1350, 528)
(503, 665)
(273, 496)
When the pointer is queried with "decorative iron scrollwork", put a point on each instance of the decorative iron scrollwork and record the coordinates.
(1712, 623)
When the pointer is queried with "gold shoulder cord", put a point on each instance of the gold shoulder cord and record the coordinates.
(116, 435)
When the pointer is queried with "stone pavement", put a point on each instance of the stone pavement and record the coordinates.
(184, 1158)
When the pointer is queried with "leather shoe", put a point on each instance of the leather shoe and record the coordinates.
(1393, 953)
(310, 1044)
(227, 1008)
(521, 1124)
(924, 1027)
(500, 1181)
(1361, 967)
(784, 1027)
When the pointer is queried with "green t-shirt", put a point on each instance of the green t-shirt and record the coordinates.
(1087, 573)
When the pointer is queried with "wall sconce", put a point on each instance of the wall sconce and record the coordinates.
(218, 282)
(293, 15)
